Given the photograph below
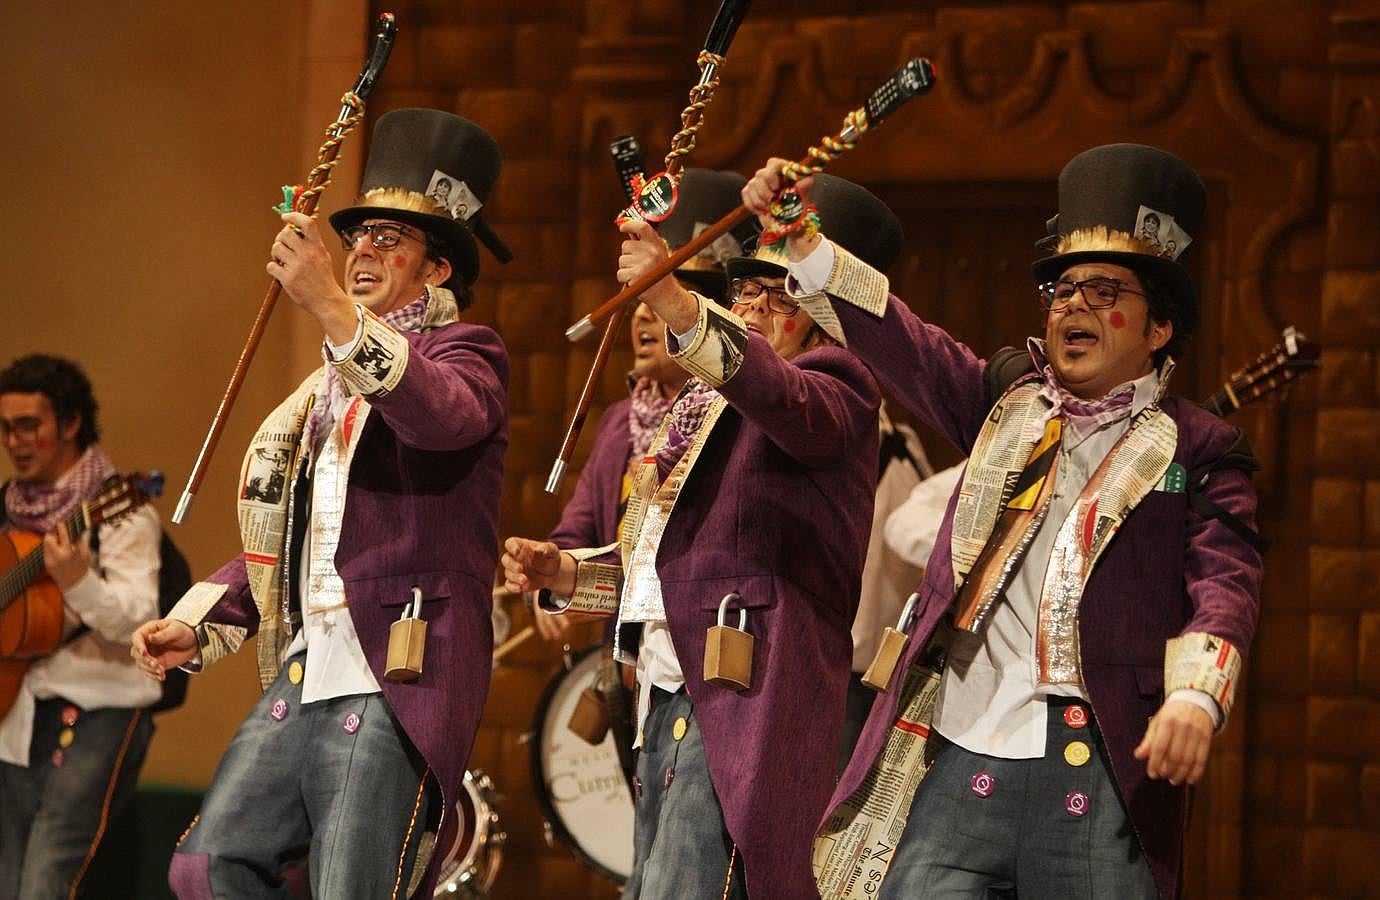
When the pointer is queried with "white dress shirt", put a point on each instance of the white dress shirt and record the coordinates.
(335, 665)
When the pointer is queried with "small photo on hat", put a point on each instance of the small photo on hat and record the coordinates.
(453, 195)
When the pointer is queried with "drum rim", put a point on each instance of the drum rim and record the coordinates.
(548, 811)
(479, 875)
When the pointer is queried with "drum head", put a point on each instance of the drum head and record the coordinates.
(580, 788)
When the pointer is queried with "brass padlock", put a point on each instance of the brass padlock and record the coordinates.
(407, 642)
(589, 720)
(728, 651)
(894, 641)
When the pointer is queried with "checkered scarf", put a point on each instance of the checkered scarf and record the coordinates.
(687, 415)
(40, 507)
(1083, 418)
(648, 408)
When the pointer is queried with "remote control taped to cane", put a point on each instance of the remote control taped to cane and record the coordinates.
(915, 77)
(627, 161)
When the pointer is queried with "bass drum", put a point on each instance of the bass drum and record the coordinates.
(580, 788)
(471, 862)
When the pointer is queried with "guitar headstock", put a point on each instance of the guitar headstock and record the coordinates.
(1275, 369)
(120, 495)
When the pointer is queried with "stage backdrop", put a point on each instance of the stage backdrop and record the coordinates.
(145, 149)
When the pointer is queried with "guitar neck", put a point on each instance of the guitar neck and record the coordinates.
(17, 580)
(1220, 404)
(1272, 371)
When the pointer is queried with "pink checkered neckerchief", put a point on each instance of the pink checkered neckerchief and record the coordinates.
(405, 318)
(649, 407)
(1083, 418)
(687, 415)
(40, 507)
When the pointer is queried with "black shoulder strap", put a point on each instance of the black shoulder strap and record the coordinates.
(1238, 456)
(893, 446)
(1003, 368)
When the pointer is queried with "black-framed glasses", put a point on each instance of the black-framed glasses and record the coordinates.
(750, 290)
(1099, 292)
(25, 428)
(383, 235)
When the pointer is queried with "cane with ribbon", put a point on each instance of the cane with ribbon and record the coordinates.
(652, 200)
(914, 78)
(303, 199)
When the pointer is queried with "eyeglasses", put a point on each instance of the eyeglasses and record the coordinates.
(1098, 293)
(25, 428)
(383, 235)
(749, 290)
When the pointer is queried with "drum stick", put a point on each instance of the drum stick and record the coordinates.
(513, 643)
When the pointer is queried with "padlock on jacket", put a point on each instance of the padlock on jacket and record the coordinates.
(407, 642)
(728, 651)
(894, 641)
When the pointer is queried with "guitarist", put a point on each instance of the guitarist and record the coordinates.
(72, 743)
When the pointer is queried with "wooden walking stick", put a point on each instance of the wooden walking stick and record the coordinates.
(303, 199)
(915, 77)
(652, 200)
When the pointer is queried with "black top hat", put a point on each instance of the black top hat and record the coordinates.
(1134, 206)
(851, 216)
(433, 170)
(703, 197)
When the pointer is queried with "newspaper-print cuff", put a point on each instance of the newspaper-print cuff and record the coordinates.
(715, 354)
(196, 604)
(376, 364)
(1203, 662)
(855, 282)
(215, 642)
(822, 311)
(597, 589)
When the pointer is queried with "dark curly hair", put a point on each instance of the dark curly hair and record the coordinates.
(64, 384)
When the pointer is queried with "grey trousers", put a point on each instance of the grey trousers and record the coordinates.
(335, 781)
(682, 851)
(1053, 827)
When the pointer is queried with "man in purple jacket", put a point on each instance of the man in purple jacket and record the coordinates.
(1090, 660)
(627, 427)
(390, 509)
(758, 488)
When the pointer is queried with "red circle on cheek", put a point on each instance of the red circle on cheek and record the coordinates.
(40, 443)
(400, 262)
(789, 326)
(1117, 319)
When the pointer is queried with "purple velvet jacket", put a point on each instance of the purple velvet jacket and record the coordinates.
(778, 508)
(422, 509)
(1168, 571)
(590, 519)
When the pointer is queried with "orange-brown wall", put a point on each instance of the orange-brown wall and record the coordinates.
(145, 148)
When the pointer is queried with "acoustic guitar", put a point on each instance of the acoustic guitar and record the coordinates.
(31, 610)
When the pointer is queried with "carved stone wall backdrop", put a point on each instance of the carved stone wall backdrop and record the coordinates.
(1273, 101)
